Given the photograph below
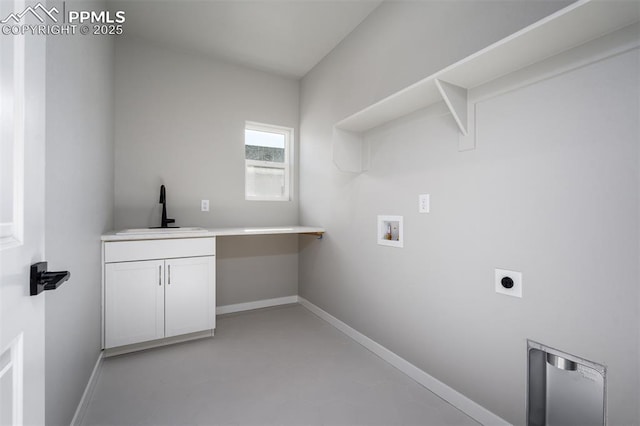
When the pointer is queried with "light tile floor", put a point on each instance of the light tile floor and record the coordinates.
(279, 366)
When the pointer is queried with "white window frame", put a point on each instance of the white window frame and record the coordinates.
(288, 134)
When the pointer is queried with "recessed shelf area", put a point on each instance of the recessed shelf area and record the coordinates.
(568, 28)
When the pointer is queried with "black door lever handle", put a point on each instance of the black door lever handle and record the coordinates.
(42, 280)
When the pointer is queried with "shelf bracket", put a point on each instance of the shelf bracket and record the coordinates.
(317, 234)
(456, 99)
(468, 142)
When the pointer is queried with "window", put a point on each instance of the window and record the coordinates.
(267, 153)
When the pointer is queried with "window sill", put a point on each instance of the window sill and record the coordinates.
(247, 198)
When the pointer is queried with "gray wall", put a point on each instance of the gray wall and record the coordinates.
(79, 206)
(179, 121)
(551, 190)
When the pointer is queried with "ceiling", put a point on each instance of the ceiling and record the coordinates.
(287, 37)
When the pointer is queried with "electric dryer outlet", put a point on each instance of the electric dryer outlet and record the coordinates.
(508, 282)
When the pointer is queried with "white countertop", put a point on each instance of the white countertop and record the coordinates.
(187, 232)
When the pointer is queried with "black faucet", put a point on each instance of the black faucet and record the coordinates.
(163, 201)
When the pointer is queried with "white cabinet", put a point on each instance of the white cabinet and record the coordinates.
(134, 302)
(189, 295)
(155, 289)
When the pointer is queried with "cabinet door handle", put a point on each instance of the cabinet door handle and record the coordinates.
(160, 275)
(169, 281)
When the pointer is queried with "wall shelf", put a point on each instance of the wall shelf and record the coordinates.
(570, 27)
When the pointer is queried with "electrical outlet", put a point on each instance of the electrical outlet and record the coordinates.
(508, 282)
(423, 203)
(204, 205)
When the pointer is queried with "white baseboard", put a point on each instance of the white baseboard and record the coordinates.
(453, 397)
(239, 307)
(86, 395)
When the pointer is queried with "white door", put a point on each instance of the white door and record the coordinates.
(190, 295)
(22, 145)
(134, 302)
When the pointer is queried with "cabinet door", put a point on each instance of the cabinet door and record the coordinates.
(190, 293)
(134, 302)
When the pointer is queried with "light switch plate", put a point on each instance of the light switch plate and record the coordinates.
(423, 203)
(204, 205)
(516, 290)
